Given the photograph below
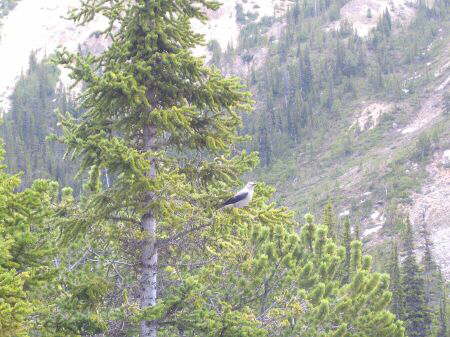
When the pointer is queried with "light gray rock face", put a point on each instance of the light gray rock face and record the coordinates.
(446, 159)
(432, 208)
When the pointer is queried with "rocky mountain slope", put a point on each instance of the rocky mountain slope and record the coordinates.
(396, 148)
(37, 26)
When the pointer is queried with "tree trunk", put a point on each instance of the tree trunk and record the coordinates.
(149, 257)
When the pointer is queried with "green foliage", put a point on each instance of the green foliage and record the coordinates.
(31, 120)
(216, 52)
(443, 314)
(414, 312)
(395, 283)
(163, 125)
(329, 220)
(346, 242)
(346, 69)
(423, 148)
(157, 141)
(267, 260)
(27, 242)
(14, 308)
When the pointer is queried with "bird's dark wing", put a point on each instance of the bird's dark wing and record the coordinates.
(235, 199)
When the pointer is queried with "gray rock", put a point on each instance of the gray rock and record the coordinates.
(446, 159)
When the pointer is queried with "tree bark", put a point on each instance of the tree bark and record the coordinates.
(149, 251)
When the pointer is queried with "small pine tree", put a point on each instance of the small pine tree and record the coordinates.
(431, 272)
(415, 312)
(346, 242)
(328, 220)
(320, 306)
(357, 231)
(442, 319)
(395, 285)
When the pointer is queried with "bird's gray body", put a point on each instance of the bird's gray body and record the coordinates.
(242, 198)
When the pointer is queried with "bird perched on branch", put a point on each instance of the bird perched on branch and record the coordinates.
(241, 198)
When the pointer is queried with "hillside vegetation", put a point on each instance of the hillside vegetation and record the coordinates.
(349, 125)
(356, 120)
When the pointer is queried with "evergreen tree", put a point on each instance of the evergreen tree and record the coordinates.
(446, 104)
(431, 272)
(264, 146)
(27, 247)
(357, 231)
(30, 121)
(162, 124)
(415, 312)
(346, 242)
(14, 306)
(434, 283)
(322, 306)
(216, 53)
(395, 283)
(329, 221)
(306, 74)
(442, 319)
(309, 264)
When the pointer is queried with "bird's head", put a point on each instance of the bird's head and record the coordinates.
(250, 185)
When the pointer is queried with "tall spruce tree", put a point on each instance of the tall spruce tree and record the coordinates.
(163, 125)
(415, 312)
